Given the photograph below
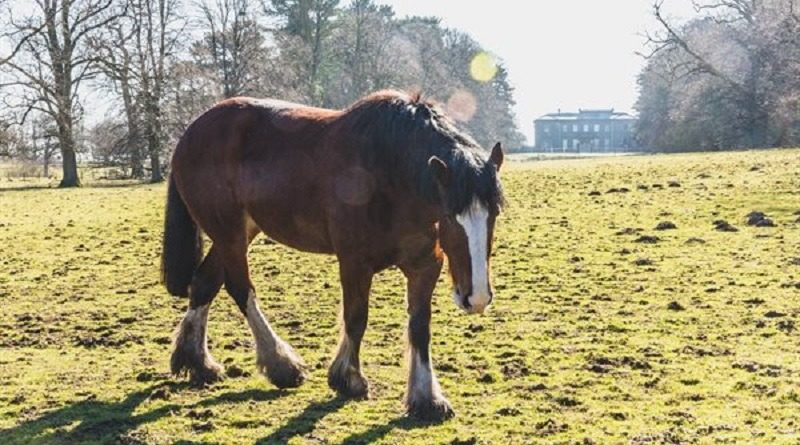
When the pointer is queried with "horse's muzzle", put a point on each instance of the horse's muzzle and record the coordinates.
(473, 304)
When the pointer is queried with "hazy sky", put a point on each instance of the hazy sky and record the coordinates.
(565, 54)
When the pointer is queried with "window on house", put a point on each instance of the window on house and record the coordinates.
(575, 128)
(596, 128)
(585, 128)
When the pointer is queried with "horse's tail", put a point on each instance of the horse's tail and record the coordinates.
(183, 245)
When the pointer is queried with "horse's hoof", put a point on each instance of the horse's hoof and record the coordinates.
(200, 371)
(431, 410)
(352, 385)
(212, 373)
(286, 374)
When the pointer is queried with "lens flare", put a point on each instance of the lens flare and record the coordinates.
(462, 106)
(483, 67)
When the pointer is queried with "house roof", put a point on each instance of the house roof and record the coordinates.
(597, 114)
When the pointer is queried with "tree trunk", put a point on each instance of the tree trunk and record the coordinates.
(134, 141)
(70, 167)
(137, 169)
(69, 162)
(155, 167)
(154, 141)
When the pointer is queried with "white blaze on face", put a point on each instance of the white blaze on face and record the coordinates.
(475, 221)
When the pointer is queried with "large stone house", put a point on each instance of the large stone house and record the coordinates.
(587, 131)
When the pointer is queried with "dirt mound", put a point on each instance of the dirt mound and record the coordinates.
(666, 225)
(648, 239)
(759, 219)
(675, 306)
(695, 240)
(724, 226)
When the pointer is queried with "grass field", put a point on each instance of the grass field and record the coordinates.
(603, 330)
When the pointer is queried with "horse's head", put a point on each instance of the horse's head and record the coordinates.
(466, 236)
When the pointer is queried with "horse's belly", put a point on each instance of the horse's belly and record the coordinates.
(300, 232)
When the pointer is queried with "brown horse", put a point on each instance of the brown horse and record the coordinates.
(388, 181)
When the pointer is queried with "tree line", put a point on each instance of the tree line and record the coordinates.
(727, 78)
(159, 63)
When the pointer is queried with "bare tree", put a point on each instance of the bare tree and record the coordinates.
(119, 66)
(44, 142)
(137, 52)
(746, 47)
(49, 61)
(10, 140)
(233, 47)
(155, 39)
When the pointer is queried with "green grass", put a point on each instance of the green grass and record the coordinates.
(580, 346)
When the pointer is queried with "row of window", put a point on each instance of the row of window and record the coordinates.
(586, 128)
(576, 144)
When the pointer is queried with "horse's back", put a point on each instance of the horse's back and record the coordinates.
(248, 159)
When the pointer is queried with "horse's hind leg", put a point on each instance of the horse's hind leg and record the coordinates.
(190, 354)
(275, 357)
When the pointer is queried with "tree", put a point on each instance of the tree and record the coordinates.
(48, 63)
(9, 140)
(155, 39)
(118, 64)
(361, 47)
(306, 26)
(138, 51)
(727, 78)
(108, 142)
(233, 48)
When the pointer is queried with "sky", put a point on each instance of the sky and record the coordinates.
(560, 54)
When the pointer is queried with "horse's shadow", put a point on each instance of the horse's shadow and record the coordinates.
(379, 431)
(109, 422)
(305, 422)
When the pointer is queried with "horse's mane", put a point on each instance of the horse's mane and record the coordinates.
(398, 133)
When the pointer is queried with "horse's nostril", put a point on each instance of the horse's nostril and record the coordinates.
(466, 301)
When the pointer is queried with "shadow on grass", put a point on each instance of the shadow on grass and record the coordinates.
(107, 422)
(110, 422)
(305, 422)
(379, 431)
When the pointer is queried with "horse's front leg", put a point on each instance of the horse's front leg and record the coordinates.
(424, 399)
(344, 375)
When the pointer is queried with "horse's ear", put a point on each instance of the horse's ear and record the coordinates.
(497, 155)
(440, 171)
